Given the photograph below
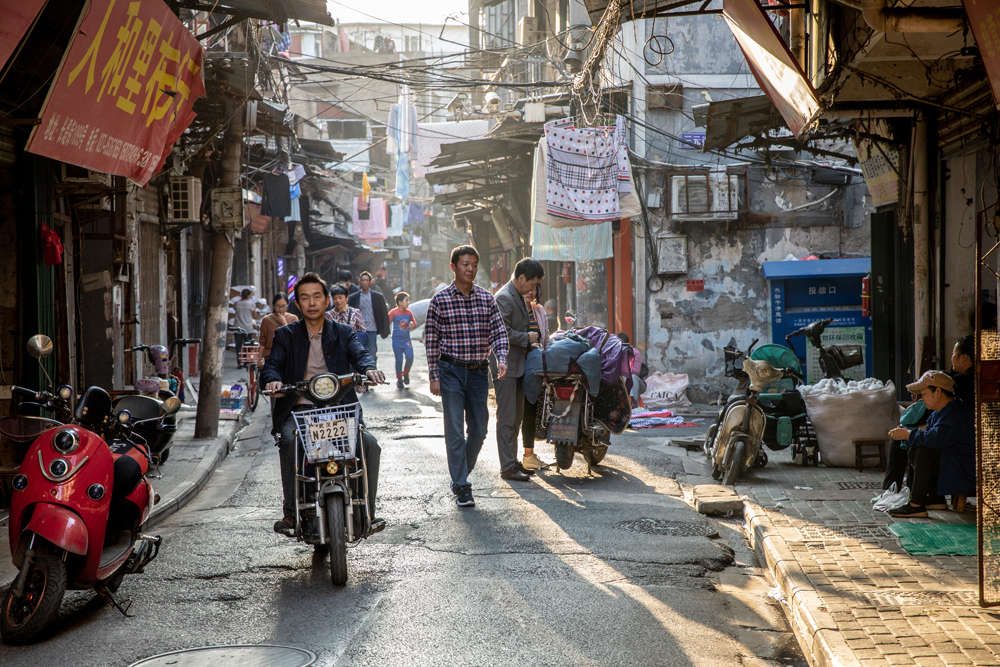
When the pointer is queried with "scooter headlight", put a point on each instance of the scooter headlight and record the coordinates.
(20, 482)
(58, 467)
(323, 387)
(332, 468)
(65, 392)
(66, 441)
(124, 416)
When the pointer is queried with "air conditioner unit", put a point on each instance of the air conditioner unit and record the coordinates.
(185, 198)
(697, 197)
(70, 173)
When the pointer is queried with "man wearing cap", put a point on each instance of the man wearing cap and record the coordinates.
(944, 454)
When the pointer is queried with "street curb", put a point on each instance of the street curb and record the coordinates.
(814, 627)
(183, 493)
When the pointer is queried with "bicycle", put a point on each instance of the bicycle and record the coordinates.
(249, 354)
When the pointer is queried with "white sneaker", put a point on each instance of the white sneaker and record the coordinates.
(534, 463)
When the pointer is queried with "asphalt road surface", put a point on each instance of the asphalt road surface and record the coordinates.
(556, 571)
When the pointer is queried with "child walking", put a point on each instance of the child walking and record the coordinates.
(402, 321)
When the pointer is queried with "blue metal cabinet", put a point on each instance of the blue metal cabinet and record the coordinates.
(805, 291)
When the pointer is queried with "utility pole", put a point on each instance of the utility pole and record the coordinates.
(217, 305)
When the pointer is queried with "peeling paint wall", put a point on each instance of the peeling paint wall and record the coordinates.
(959, 302)
(687, 330)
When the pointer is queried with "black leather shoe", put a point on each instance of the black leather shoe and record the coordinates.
(378, 525)
(514, 475)
(521, 467)
(285, 526)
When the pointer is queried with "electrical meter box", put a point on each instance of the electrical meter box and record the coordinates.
(804, 291)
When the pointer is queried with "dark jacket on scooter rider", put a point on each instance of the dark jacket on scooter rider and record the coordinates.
(290, 354)
(287, 363)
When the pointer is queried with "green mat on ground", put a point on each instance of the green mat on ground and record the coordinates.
(937, 539)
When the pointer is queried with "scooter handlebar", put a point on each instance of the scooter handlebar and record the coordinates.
(24, 391)
(139, 348)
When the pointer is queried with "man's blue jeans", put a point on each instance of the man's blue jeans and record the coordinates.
(463, 399)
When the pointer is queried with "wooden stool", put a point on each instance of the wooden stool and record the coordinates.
(863, 449)
(958, 503)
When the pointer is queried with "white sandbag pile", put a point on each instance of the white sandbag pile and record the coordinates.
(842, 412)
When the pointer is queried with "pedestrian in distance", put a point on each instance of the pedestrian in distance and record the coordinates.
(344, 314)
(276, 319)
(300, 351)
(402, 322)
(243, 319)
(463, 325)
(523, 332)
(345, 280)
(374, 312)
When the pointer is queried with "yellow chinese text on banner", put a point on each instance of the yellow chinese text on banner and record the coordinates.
(124, 91)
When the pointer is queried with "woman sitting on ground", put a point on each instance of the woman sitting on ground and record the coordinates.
(944, 454)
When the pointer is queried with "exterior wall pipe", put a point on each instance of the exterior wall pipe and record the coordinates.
(921, 242)
(882, 18)
(797, 26)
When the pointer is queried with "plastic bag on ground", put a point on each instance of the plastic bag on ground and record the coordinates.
(892, 501)
(666, 390)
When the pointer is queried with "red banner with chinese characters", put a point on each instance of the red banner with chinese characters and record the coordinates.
(18, 17)
(984, 17)
(124, 90)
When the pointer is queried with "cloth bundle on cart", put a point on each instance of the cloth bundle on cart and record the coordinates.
(558, 359)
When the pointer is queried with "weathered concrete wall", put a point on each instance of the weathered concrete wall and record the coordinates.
(959, 303)
(687, 330)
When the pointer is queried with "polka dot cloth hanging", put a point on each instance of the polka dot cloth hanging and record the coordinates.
(586, 170)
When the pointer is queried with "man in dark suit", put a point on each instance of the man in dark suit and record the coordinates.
(373, 311)
(509, 394)
(300, 351)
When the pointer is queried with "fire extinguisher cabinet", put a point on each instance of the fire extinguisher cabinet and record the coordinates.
(809, 290)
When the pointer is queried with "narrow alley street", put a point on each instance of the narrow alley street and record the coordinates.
(533, 575)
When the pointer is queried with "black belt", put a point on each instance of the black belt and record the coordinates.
(471, 365)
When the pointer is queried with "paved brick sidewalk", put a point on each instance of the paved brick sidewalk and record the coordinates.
(856, 597)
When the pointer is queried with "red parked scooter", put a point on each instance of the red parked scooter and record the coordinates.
(80, 501)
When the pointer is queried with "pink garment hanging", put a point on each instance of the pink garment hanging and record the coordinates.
(375, 228)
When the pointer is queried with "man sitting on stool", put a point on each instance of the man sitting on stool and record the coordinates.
(943, 455)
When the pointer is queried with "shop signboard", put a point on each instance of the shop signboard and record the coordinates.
(18, 17)
(837, 336)
(772, 64)
(984, 18)
(879, 163)
(124, 91)
(425, 264)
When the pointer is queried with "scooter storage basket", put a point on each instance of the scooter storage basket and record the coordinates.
(328, 433)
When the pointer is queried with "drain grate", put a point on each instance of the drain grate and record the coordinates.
(862, 532)
(919, 598)
(237, 655)
(844, 486)
(667, 527)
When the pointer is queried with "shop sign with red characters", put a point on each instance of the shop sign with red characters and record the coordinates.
(124, 91)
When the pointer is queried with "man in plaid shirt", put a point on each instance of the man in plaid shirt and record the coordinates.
(463, 325)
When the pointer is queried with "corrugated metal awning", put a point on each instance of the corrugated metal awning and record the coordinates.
(278, 11)
(728, 121)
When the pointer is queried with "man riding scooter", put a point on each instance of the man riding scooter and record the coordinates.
(301, 350)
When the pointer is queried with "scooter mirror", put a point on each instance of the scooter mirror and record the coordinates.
(170, 406)
(40, 346)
